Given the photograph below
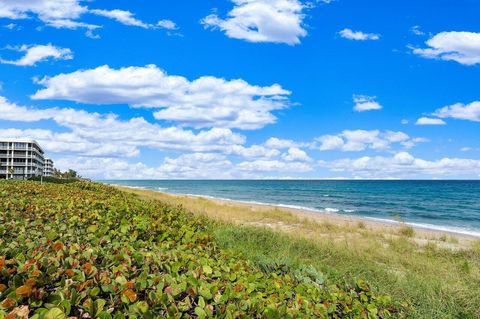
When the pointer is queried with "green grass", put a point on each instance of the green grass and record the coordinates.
(438, 274)
(439, 283)
(407, 231)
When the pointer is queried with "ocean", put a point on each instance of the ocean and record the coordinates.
(441, 205)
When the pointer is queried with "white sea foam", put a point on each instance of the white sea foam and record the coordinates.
(449, 229)
(331, 210)
(127, 186)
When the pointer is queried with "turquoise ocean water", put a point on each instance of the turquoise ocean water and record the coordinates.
(443, 205)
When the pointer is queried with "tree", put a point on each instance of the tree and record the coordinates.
(70, 174)
(57, 173)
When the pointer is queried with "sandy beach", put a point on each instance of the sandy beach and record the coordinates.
(304, 222)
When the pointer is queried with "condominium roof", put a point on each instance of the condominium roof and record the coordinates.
(21, 140)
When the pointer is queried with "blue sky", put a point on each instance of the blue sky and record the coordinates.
(245, 88)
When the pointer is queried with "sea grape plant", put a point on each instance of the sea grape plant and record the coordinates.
(86, 250)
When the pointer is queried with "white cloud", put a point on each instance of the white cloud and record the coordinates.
(10, 26)
(277, 143)
(404, 165)
(278, 21)
(430, 121)
(360, 140)
(358, 35)
(254, 151)
(365, 103)
(67, 13)
(417, 30)
(122, 16)
(167, 24)
(205, 102)
(466, 149)
(330, 142)
(46, 10)
(72, 143)
(462, 47)
(128, 18)
(186, 166)
(127, 136)
(197, 165)
(460, 111)
(112, 141)
(295, 154)
(38, 53)
(102, 146)
(72, 25)
(274, 166)
(53, 13)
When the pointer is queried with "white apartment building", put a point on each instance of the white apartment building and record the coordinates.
(20, 159)
(48, 168)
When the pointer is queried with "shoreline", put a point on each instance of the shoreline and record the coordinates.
(421, 232)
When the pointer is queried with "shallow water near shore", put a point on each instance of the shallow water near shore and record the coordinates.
(442, 205)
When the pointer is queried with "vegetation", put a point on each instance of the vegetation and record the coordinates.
(69, 174)
(438, 275)
(86, 250)
(407, 231)
(55, 180)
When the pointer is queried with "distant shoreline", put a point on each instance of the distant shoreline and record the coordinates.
(378, 225)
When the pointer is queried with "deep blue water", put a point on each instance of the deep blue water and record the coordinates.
(447, 205)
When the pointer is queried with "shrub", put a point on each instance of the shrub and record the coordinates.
(87, 250)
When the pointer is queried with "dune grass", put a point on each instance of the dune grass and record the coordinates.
(439, 277)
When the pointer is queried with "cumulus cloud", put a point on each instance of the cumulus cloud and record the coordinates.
(113, 141)
(278, 21)
(46, 10)
(430, 121)
(205, 102)
(460, 111)
(365, 103)
(277, 143)
(186, 166)
(53, 13)
(38, 53)
(295, 154)
(98, 129)
(360, 140)
(254, 151)
(274, 166)
(462, 47)
(404, 165)
(358, 35)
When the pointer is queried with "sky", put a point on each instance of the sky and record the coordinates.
(245, 89)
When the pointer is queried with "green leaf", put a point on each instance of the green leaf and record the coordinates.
(142, 306)
(200, 313)
(207, 269)
(55, 313)
(104, 315)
